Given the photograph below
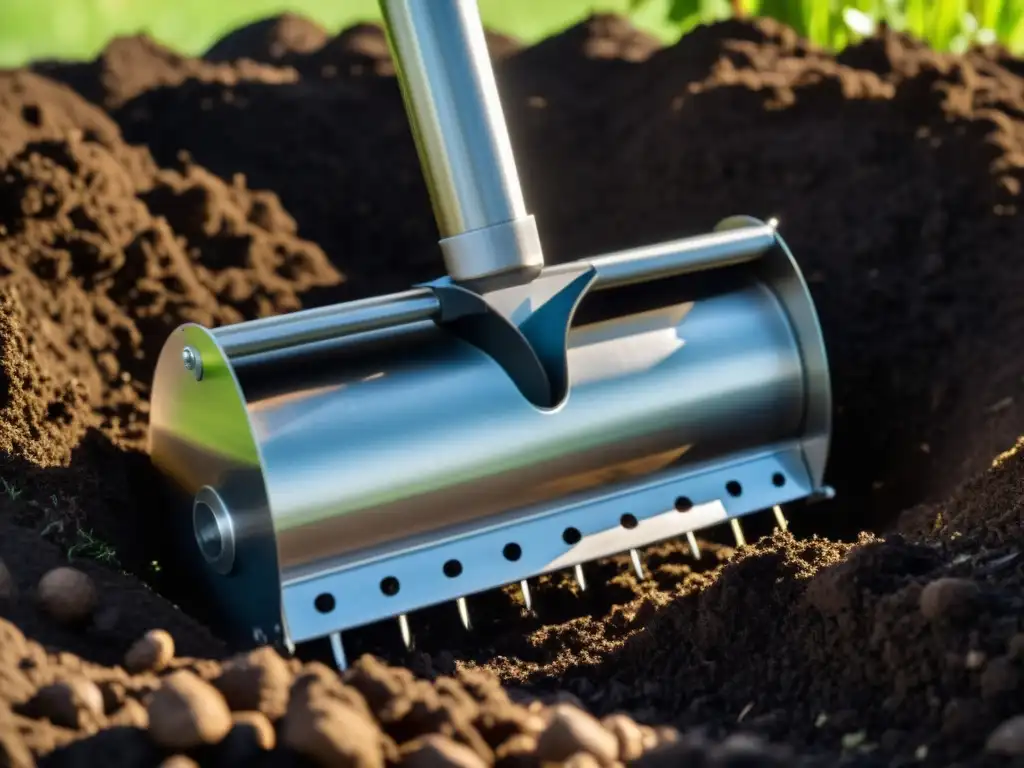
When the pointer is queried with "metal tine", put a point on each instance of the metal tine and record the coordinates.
(339, 651)
(524, 585)
(780, 519)
(580, 578)
(737, 532)
(638, 566)
(403, 625)
(464, 612)
(691, 539)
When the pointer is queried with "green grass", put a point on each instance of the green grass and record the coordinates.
(944, 24)
(78, 29)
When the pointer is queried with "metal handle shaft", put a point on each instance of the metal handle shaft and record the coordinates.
(447, 82)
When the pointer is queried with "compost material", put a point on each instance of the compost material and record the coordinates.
(145, 189)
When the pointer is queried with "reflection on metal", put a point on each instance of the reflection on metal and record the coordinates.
(737, 532)
(507, 420)
(638, 567)
(780, 519)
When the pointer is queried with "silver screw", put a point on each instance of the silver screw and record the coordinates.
(192, 361)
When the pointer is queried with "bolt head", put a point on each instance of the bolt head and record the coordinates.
(192, 362)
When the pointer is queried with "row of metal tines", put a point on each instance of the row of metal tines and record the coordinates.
(338, 648)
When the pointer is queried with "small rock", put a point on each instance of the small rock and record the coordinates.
(257, 726)
(571, 730)
(75, 703)
(67, 595)
(1008, 738)
(150, 653)
(186, 712)
(330, 732)
(7, 586)
(258, 681)
(518, 750)
(437, 751)
(628, 734)
(179, 761)
(131, 714)
(948, 598)
(251, 733)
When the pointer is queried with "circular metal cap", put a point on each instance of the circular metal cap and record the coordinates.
(214, 530)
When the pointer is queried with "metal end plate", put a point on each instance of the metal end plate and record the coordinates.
(217, 513)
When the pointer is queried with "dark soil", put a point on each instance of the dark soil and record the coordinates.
(145, 189)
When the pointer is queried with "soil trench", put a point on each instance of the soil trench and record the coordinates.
(145, 189)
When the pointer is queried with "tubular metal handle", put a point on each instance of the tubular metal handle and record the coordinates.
(447, 82)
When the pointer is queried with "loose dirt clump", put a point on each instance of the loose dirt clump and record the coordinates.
(145, 189)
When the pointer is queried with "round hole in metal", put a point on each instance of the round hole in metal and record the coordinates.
(734, 488)
(324, 602)
(452, 569)
(778, 479)
(628, 521)
(571, 536)
(389, 586)
(683, 504)
(512, 551)
(208, 531)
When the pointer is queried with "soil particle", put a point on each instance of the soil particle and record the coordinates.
(150, 653)
(185, 712)
(948, 598)
(571, 730)
(1007, 738)
(67, 595)
(436, 751)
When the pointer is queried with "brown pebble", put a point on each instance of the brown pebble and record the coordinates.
(150, 653)
(1008, 738)
(67, 595)
(179, 761)
(256, 728)
(74, 703)
(571, 730)
(582, 760)
(948, 598)
(7, 586)
(186, 712)
(330, 733)
(131, 714)
(437, 751)
(628, 734)
(519, 751)
(257, 681)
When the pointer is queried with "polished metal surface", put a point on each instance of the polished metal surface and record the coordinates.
(678, 257)
(447, 82)
(376, 458)
(270, 334)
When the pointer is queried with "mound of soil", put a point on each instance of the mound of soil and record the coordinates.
(145, 189)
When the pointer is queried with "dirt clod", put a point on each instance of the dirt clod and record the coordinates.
(258, 681)
(948, 598)
(437, 751)
(150, 653)
(571, 730)
(67, 595)
(185, 712)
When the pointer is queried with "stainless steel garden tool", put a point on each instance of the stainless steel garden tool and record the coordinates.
(337, 466)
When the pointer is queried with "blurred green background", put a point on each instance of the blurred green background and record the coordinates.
(78, 29)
